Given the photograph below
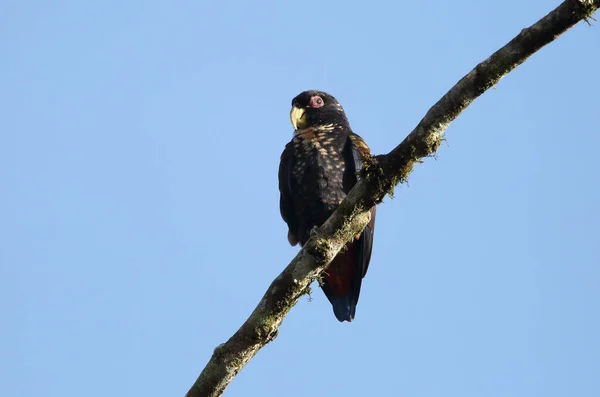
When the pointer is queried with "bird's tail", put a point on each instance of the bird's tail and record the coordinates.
(342, 282)
(343, 308)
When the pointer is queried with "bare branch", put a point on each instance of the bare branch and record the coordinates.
(382, 174)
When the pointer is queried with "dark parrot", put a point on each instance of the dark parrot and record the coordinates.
(318, 168)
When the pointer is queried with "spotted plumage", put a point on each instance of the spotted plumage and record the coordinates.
(318, 168)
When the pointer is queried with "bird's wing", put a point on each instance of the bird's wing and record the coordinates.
(343, 278)
(286, 204)
(361, 151)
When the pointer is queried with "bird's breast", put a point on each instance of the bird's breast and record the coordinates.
(319, 167)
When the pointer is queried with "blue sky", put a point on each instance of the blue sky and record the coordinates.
(139, 146)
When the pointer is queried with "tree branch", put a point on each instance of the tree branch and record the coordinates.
(380, 177)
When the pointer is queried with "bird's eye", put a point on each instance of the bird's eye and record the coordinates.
(316, 102)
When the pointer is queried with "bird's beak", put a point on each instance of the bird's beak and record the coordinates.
(297, 118)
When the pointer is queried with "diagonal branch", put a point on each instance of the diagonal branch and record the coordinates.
(382, 174)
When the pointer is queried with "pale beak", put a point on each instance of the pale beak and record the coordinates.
(297, 118)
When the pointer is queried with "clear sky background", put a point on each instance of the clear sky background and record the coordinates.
(139, 217)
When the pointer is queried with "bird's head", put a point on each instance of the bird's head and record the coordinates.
(316, 109)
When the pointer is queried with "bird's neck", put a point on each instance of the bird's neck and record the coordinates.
(319, 129)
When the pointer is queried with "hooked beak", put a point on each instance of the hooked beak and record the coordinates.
(297, 118)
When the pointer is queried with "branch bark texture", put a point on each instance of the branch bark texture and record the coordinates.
(380, 177)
